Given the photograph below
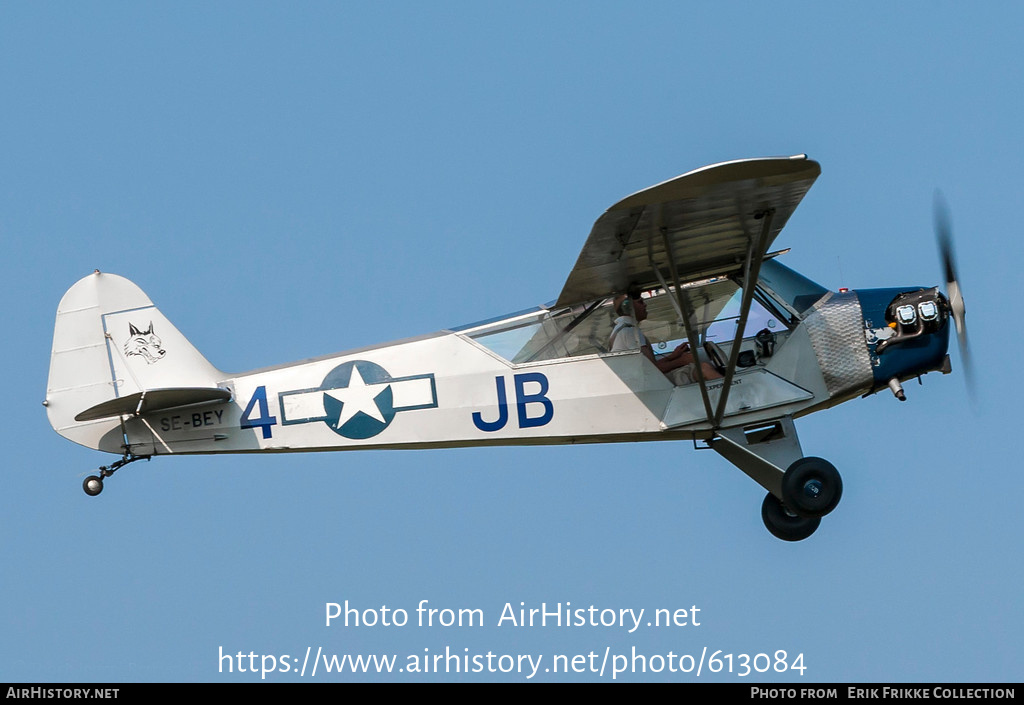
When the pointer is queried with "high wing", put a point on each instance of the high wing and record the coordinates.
(707, 222)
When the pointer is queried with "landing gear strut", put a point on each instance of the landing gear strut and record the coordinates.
(93, 484)
(801, 490)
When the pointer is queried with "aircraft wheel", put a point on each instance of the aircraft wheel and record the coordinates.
(811, 487)
(785, 525)
(93, 485)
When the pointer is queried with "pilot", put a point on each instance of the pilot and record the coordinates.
(678, 365)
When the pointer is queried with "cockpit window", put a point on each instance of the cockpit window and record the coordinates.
(723, 328)
(547, 334)
(716, 305)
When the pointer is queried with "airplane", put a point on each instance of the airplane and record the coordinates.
(765, 345)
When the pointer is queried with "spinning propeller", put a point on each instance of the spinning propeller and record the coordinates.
(944, 239)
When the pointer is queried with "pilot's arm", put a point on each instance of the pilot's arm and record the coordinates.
(677, 358)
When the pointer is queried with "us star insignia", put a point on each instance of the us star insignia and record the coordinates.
(358, 399)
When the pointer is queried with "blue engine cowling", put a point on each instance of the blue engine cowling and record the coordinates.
(907, 332)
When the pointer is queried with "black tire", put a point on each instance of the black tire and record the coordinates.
(811, 487)
(92, 485)
(783, 524)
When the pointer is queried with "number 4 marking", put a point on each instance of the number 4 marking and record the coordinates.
(264, 420)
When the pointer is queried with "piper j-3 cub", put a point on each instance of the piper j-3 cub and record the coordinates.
(692, 253)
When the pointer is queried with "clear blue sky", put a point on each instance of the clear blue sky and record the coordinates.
(289, 181)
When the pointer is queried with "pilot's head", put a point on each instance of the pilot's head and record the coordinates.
(631, 305)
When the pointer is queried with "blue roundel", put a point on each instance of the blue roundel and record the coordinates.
(358, 400)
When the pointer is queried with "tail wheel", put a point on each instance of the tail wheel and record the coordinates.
(811, 487)
(92, 485)
(784, 524)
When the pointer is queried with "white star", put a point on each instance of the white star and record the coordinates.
(358, 396)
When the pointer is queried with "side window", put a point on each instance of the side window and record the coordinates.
(547, 335)
(508, 338)
(723, 328)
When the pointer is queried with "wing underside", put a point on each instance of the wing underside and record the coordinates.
(708, 222)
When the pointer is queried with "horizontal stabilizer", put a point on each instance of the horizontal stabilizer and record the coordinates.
(155, 400)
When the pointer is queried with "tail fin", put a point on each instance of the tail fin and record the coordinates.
(111, 344)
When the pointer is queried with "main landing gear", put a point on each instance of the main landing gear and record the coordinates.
(93, 484)
(811, 488)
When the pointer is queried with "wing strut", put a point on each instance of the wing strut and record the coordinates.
(685, 309)
(751, 270)
(756, 251)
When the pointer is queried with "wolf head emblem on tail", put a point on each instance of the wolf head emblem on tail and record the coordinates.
(144, 343)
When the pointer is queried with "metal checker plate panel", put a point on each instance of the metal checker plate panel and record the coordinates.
(836, 329)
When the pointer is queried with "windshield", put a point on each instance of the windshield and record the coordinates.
(788, 286)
